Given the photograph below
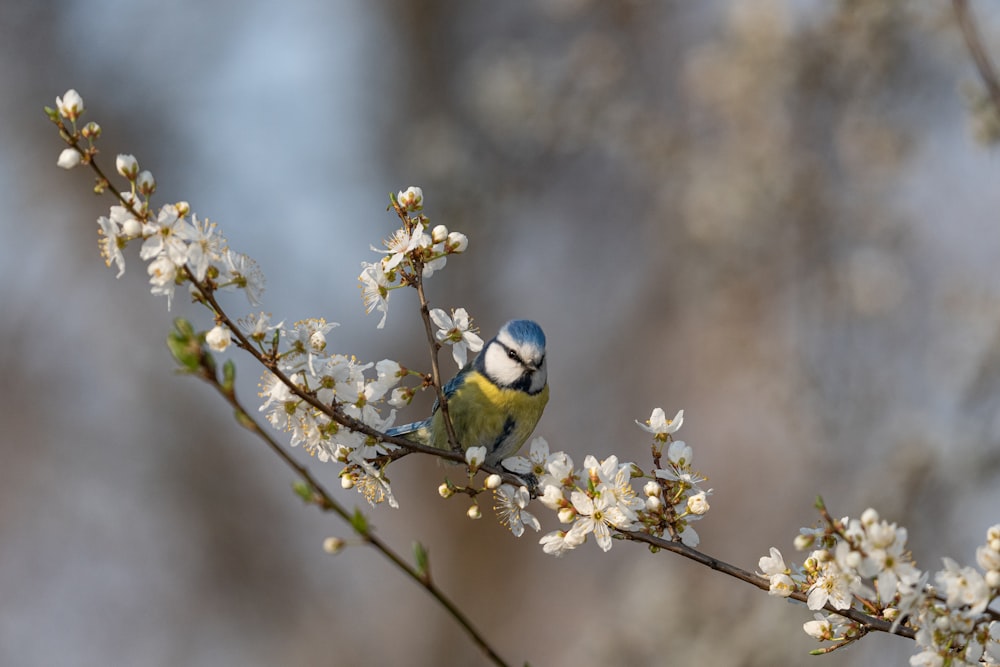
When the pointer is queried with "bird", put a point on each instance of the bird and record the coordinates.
(495, 400)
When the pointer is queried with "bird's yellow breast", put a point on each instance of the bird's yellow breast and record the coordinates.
(485, 415)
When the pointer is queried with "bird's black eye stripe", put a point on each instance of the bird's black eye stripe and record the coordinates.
(511, 353)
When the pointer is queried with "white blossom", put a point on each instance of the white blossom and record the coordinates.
(456, 330)
(559, 542)
(375, 289)
(773, 567)
(659, 425)
(411, 199)
(70, 105)
(474, 457)
(69, 158)
(218, 338)
(511, 509)
(127, 166)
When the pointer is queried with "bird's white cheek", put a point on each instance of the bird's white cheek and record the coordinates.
(502, 370)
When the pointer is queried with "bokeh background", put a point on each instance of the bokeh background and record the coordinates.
(780, 216)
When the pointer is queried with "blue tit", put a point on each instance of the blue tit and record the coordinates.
(495, 401)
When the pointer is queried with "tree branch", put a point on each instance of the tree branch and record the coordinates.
(762, 583)
(325, 501)
(980, 57)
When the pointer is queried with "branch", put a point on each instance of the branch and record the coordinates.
(980, 57)
(206, 293)
(331, 411)
(762, 583)
(434, 346)
(325, 501)
(425, 315)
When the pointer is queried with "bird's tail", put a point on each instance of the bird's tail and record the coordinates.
(419, 431)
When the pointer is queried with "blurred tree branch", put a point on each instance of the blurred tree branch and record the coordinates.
(319, 496)
(967, 24)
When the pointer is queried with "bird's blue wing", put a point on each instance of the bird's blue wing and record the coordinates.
(408, 429)
(450, 388)
(452, 385)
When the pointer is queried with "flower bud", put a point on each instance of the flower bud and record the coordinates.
(457, 242)
(219, 338)
(70, 105)
(127, 166)
(131, 228)
(494, 481)
(698, 503)
(819, 629)
(411, 199)
(145, 183)
(332, 545)
(439, 234)
(474, 512)
(69, 158)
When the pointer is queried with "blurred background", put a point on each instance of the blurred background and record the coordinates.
(780, 216)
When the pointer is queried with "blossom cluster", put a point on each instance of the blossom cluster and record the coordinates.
(865, 563)
(675, 497)
(332, 379)
(340, 381)
(338, 409)
(411, 253)
(593, 500)
(181, 248)
(178, 249)
(599, 498)
(308, 391)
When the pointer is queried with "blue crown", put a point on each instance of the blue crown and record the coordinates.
(525, 331)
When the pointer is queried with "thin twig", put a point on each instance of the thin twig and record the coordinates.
(762, 583)
(331, 411)
(327, 502)
(425, 315)
(433, 345)
(980, 57)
